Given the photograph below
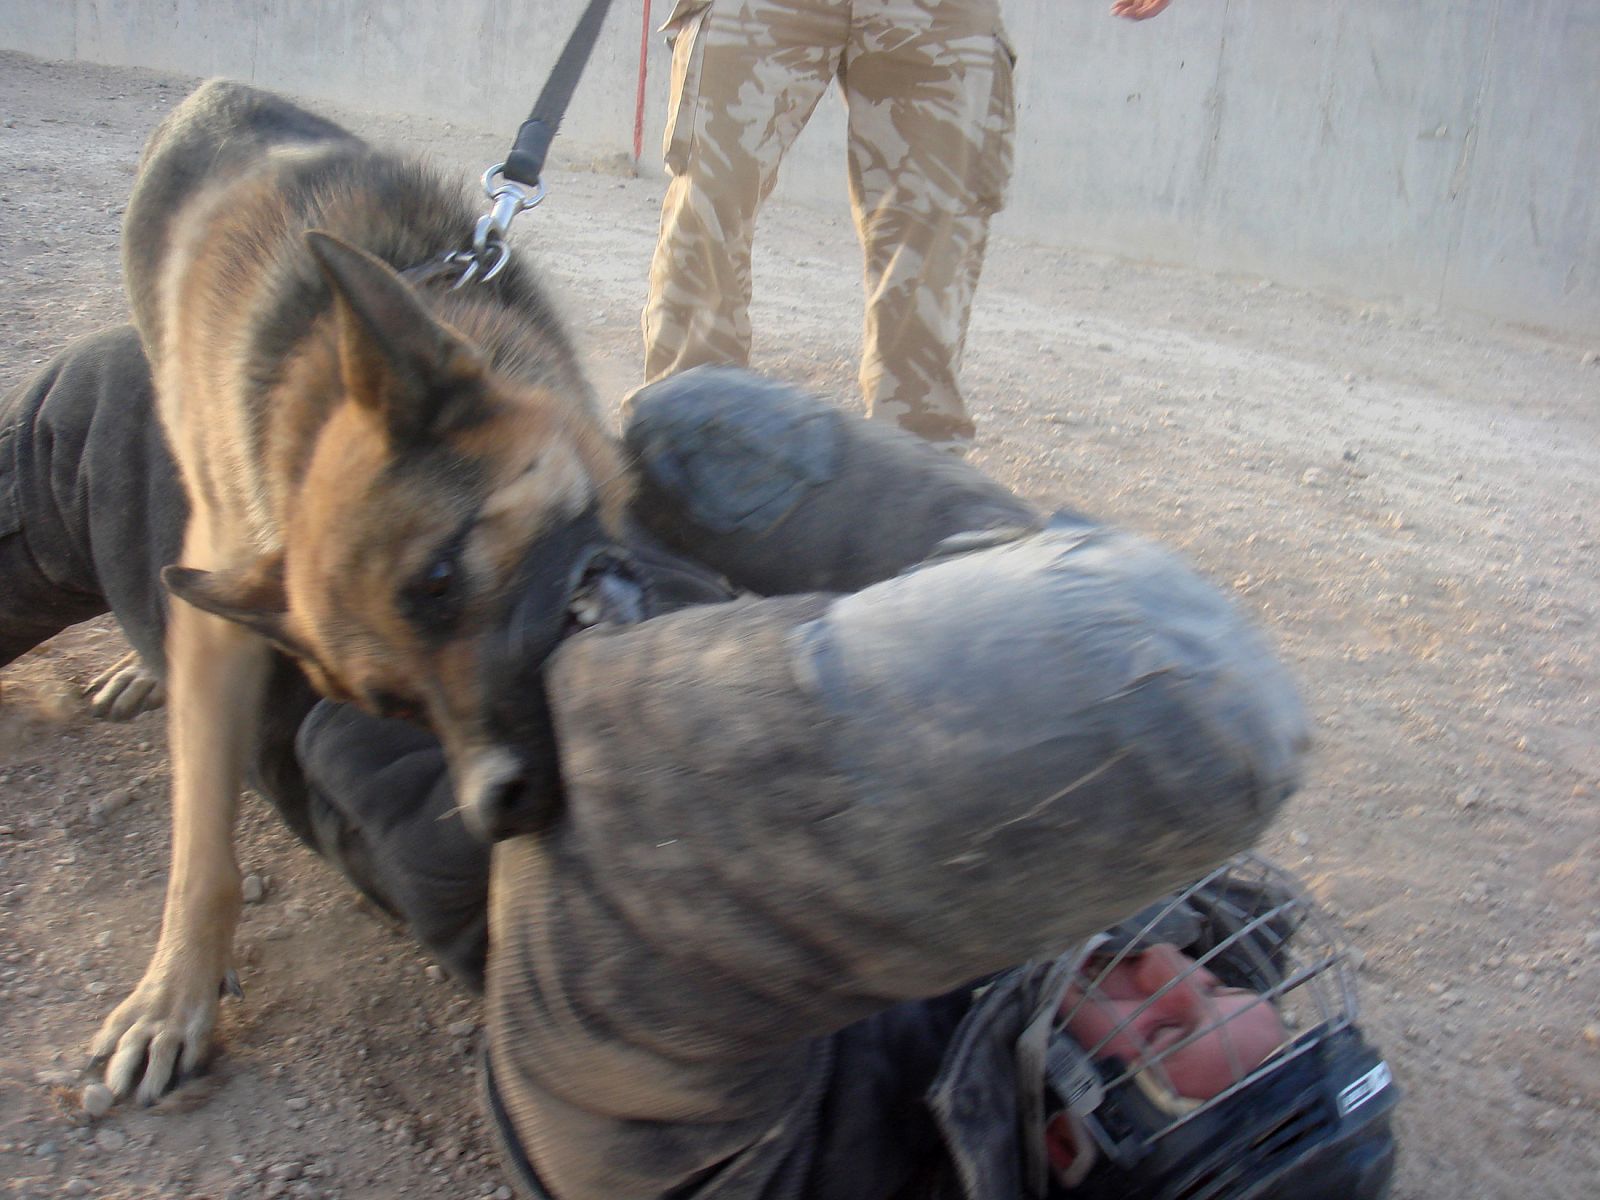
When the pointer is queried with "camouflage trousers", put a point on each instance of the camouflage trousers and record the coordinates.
(928, 90)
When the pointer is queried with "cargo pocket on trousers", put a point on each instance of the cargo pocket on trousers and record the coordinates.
(999, 129)
(684, 29)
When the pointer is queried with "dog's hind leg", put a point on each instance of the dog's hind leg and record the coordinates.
(216, 677)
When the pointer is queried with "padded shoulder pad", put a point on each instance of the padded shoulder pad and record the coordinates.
(737, 451)
(781, 492)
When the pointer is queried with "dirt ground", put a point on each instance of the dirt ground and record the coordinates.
(1408, 503)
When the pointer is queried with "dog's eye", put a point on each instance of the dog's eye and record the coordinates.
(432, 600)
(438, 579)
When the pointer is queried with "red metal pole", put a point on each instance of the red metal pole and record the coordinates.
(638, 108)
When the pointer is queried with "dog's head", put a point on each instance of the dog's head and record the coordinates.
(448, 522)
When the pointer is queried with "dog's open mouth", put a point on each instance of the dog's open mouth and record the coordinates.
(609, 592)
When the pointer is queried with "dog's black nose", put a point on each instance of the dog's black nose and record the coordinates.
(511, 808)
(504, 795)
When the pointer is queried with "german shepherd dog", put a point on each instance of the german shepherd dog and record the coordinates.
(398, 484)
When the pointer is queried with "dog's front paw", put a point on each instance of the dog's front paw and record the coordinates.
(159, 1034)
(125, 690)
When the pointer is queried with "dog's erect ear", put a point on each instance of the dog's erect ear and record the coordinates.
(254, 597)
(413, 371)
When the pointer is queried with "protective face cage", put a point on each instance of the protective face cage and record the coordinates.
(1310, 1121)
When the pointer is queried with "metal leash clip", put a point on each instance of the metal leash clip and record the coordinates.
(490, 251)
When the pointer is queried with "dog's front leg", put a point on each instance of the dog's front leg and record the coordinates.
(215, 683)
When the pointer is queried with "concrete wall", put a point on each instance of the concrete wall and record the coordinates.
(1439, 154)
(476, 62)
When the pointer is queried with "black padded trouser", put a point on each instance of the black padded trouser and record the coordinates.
(90, 507)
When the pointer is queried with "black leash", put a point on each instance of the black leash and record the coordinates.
(526, 159)
(514, 185)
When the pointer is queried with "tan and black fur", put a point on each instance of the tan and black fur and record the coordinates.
(380, 475)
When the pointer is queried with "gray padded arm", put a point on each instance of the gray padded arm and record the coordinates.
(786, 814)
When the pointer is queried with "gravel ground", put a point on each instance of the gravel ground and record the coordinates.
(1407, 502)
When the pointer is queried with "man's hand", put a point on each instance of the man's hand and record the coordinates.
(1138, 10)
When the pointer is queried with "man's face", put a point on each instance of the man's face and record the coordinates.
(1241, 1031)
(1241, 1028)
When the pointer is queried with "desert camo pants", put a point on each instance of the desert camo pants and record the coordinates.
(928, 90)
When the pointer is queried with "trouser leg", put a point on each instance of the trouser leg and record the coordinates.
(90, 506)
(34, 606)
(746, 77)
(90, 510)
(930, 101)
(47, 580)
